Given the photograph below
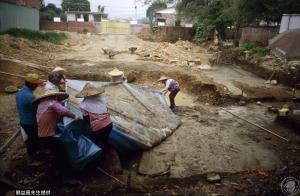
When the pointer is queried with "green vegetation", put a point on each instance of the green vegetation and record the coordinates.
(209, 15)
(253, 49)
(53, 37)
(50, 11)
(75, 5)
(154, 7)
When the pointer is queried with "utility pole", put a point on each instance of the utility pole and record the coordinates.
(135, 7)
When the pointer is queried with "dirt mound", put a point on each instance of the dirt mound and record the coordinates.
(169, 52)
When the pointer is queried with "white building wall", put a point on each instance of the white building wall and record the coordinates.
(289, 21)
(71, 17)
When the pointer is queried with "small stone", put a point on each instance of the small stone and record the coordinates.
(268, 138)
(242, 103)
(274, 82)
(213, 177)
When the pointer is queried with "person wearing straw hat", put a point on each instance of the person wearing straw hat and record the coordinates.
(49, 111)
(172, 86)
(93, 108)
(27, 113)
(117, 76)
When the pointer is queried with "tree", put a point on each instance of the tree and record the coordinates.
(154, 7)
(50, 11)
(101, 8)
(75, 5)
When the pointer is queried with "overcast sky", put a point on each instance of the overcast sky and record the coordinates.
(114, 8)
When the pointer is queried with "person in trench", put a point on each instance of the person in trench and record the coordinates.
(56, 81)
(27, 116)
(49, 111)
(172, 86)
(94, 110)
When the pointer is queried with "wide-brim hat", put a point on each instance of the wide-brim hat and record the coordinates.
(89, 90)
(60, 96)
(116, 72)
(162, 78)
(33, 78)
(58, 69)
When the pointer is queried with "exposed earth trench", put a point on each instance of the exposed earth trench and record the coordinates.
(209, 139)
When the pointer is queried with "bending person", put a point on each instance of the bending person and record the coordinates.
(49, 111)
(172, 86)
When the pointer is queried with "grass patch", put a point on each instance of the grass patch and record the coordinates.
(53, 37)
(253, 49)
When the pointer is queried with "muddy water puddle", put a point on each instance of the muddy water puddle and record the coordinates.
(182, 99)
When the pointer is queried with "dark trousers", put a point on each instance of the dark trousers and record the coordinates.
(32, 143)
(100, 137)
(58, 149)
(172, 96)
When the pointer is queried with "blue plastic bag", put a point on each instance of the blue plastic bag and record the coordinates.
(80, 150)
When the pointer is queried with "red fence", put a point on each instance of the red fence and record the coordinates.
(260, 35)
(68, 26)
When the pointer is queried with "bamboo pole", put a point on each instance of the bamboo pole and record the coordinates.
(10, 74)
(263, 128)
(9, 141)
(111, 176)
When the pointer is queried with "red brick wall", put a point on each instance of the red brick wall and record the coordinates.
(182, 32)
(68, 26)
(26, 3)
(260, 35)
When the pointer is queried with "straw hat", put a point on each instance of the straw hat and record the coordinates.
(41, 94)
(33, 78)
(116, 72)
(58, 69)
(89, 90)
(162, 78)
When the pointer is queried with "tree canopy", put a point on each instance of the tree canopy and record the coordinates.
(50, 11)
(75, 5)
(221, 14)
(154, 7)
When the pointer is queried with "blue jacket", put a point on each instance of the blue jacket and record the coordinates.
(26, 110)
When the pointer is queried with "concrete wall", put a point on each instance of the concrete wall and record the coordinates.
(68, 26)
(14, 16)
(260, 35)
(136, 29)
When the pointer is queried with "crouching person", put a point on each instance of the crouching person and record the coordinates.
(49, 111)
(94, 109)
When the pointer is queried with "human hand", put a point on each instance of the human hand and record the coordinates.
(78, 117)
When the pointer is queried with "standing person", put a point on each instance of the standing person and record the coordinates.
(172, 86)
(63, 81)
(27, 113)
(49, 111)
(93, 108)
(56, 82)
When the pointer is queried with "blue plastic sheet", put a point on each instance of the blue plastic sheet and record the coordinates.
(80, 150)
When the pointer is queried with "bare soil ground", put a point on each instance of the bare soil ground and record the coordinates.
(209, 140)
